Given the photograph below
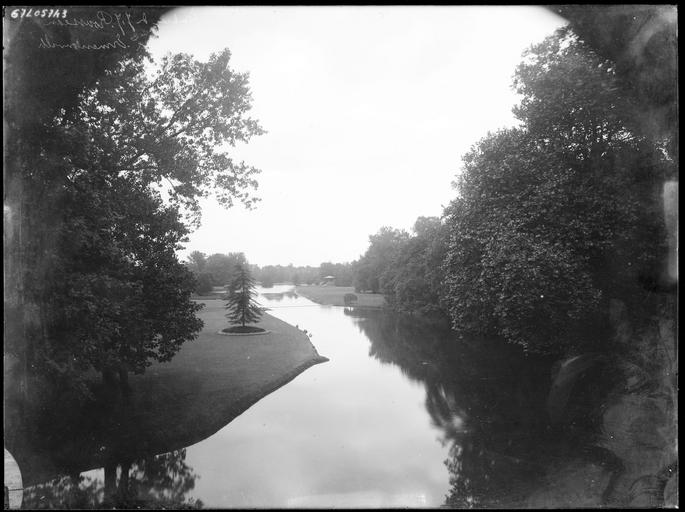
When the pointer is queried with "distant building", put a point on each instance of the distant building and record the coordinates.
(328, 281)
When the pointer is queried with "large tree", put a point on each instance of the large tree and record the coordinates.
(557, 217)
(121, 298)
(118, 182)
(39, 84)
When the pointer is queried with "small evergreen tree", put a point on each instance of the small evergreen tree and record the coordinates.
(242, 307)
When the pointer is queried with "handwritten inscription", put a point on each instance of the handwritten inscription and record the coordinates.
(46, 42)
(96, 30)
(105, 20)
(118, 30)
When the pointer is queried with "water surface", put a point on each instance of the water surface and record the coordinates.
(403, 415)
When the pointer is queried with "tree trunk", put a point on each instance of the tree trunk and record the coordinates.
(110, 484)
(122, 489)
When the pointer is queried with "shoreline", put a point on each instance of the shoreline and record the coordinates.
(210, 382)
(335, 296)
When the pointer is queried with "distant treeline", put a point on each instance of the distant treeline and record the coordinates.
(217, 270)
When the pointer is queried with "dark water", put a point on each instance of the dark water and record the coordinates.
(402, 416)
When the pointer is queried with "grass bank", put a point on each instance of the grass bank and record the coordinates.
(335, 296)
(211, 381)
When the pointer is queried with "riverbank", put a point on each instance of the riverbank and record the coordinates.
(211, 381)
(335, 296)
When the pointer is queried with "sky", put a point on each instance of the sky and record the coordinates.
(368, 111)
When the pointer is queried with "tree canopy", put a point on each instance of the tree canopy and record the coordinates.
(167, 129)
(414, 281)
(557, 217)
(378, 258)
(222, 267)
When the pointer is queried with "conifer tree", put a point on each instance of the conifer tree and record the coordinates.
(242, 306)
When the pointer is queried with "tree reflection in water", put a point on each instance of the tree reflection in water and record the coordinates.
(486, 399)
(158, 482)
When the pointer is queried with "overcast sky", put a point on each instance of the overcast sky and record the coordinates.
(368, 112)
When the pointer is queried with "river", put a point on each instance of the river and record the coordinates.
(401, 416)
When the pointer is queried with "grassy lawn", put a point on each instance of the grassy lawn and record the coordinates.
(334, 296)
(212, 380)
(215, 378)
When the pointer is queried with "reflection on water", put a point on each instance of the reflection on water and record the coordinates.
(279, 296)
(159, 482)
(402, 416)
(488, 402)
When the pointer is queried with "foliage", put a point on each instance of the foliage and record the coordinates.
(168, 128)
(203, 283)
(285, 274)
(643, 42)
(197, 261)
(121, 298)
(222, 267)
(406, 268)
(374, 266)
(37, 84)
(556, 217)
(40, 85)
(343, 272)
(414, 282)
(242, 306)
